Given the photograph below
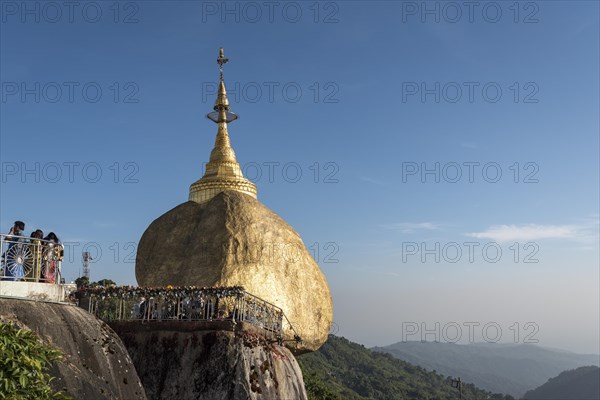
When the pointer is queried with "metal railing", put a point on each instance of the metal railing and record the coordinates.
(30, 259)
(120, 303)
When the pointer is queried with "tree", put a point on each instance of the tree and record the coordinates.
(316, 389)
(82, 281)
(105, 282)
(24, 360)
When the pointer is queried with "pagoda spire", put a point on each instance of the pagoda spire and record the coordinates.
(222, 171)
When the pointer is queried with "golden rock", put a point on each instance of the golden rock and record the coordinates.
(224, 236)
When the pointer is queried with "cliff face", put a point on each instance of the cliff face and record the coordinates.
(95, 363)
(182, 361)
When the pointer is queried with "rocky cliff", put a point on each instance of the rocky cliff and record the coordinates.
(95, 365)
(195, 360)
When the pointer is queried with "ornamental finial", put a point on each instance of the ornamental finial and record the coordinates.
(221, 111)
(221, 61)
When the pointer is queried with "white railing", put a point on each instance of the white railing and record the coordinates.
(30, 259)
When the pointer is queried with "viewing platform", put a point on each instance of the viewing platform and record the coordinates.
(31, 268)
(206, 308)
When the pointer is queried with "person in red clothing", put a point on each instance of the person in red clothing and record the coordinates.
(52, 253)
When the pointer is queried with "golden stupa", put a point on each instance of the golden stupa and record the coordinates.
(224, 236)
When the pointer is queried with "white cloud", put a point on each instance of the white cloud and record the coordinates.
(409, 227)
(531, 232)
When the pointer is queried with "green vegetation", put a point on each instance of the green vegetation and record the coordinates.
(342, 370)
(84, 281)
(578, 384)
(24, 360)
(509, 368)
(104, 283)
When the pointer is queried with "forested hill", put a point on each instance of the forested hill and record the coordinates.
(507, 368)
(343, 370)
(578, 384)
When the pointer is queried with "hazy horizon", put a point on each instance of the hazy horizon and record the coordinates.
(497, 344)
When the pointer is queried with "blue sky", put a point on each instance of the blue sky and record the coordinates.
(348, 104)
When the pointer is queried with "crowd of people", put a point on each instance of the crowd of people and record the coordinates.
(193, 306)
(34, 258)
(202, 308)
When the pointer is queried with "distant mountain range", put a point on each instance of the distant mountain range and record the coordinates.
(578, 384)
(500, 368)
(343, 370)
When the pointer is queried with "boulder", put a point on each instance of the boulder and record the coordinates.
(235, 240)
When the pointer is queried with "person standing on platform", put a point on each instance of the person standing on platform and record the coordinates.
(35, 247)
(52, 254)
(12, 259)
